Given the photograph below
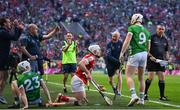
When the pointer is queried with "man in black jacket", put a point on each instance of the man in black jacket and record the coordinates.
(6, 36)
(112, 63)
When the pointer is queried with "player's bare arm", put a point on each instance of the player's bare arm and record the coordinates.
(125, 45)
(23, 97)
(83, 68)
(46, 91)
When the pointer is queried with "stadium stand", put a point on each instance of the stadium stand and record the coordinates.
(98, 18)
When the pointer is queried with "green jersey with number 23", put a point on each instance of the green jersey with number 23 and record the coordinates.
(139, 40)
(31, 83)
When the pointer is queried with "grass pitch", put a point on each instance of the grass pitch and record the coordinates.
(54, 83)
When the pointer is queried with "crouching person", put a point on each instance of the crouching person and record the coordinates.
(80, 79)
(26, 89)
(83, 73)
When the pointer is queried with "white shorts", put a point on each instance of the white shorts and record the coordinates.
(138, 60)
(77, 84)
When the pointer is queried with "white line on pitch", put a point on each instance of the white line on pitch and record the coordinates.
(157, 102)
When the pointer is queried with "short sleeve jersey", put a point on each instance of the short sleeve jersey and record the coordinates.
(140, 38)
(31, 83)
(89, 60)
(159, 46)
(32, 44)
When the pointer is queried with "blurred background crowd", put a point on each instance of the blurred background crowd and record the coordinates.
(98, 17)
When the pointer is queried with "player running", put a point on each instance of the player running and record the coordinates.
(27, 87)
(138, 41)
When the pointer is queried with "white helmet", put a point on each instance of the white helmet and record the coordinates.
(95, 49)
(136, 17)
(24, 67)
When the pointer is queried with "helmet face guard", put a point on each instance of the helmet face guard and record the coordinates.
(136, 18)
(95, 50)
(23, 67)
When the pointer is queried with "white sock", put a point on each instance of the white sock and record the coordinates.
(141, 95)
(133, 92)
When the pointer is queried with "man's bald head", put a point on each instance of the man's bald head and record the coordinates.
(115, 36)
(160, 30)
(33, 29)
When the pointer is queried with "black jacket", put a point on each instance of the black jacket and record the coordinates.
(159, 46)
(5, 40)
(112, 53)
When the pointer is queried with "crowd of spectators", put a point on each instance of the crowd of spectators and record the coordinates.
(98, 17)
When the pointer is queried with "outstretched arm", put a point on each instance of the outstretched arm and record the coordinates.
(48, 36)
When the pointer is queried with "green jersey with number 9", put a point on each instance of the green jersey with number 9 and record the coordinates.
(140, 38)
(31, 83)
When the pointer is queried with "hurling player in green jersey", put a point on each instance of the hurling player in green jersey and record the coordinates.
(27, 87)
(138, 42)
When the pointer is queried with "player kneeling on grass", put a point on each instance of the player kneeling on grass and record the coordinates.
(80, 79)
(27, 88)
(83, 73)
(63, 100)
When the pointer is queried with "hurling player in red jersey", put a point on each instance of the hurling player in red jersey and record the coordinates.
(83, 73)
(80, 79)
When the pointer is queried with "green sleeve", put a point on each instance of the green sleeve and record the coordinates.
(130, 29)
(20, 81)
